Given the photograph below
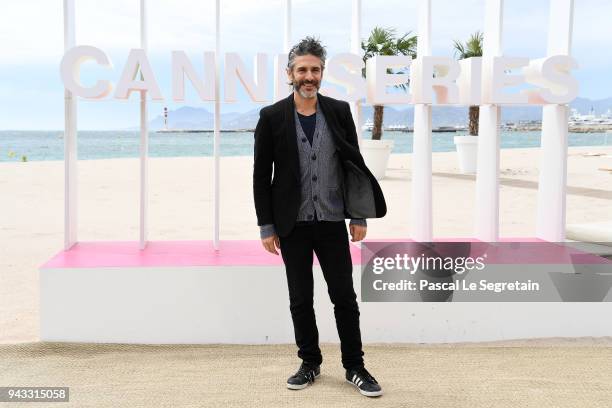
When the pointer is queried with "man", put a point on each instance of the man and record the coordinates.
(319, 179)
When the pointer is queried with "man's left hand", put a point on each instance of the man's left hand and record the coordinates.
(358, 232)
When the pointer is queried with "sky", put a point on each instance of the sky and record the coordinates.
(31, 34)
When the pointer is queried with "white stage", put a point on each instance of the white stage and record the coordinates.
(184, 292)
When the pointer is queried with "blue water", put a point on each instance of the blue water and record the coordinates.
(49, 145)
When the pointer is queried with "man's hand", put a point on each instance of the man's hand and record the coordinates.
(358, 232)
(271, 243)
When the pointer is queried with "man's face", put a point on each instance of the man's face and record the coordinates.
(306, 75)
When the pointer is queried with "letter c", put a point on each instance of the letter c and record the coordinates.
(70, 69)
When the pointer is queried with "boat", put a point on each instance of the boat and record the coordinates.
(368, 125)
(577, 119)
(398, 128)
(444, 129)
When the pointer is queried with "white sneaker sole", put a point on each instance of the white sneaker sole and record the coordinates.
(300, 387)
(366, 393)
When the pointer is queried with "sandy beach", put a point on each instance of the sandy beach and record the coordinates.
(526, 375)
(31, 213)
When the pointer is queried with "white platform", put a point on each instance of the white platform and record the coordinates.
(250, 304)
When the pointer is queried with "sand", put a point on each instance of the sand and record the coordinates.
(31, 212)
(424, 376)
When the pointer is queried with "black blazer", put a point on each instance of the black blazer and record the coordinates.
(278, 202)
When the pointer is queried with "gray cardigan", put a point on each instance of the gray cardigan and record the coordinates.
(320, 176)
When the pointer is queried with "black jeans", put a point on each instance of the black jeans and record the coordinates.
(329, 240)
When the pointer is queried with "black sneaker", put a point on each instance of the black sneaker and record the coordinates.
(305, 375)
(363, 380)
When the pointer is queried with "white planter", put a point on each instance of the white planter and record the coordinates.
(467, 149)
(376, 155)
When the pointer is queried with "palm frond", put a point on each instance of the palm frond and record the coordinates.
(471, 48)
(383, 41)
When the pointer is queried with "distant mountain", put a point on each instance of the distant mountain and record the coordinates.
(584, 105)
(188, 117)
(451, 116)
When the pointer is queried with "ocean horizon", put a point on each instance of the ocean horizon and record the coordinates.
(47, 145)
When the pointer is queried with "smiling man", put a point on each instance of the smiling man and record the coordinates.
(309, 142)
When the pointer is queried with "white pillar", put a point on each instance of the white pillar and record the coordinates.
(487, 175)
(421, 220)
(553, 157)
(70, 139)
(281, 88)
(217, 126)
(421, 199)
(287, 34)
(356, 49)
(486, 223)
(144, 139)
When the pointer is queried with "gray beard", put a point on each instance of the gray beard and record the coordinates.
(304, 94)
(307, 96)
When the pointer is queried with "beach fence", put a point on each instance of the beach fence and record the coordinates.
(176, 292)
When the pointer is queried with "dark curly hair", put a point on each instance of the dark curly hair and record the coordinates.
(307, 46)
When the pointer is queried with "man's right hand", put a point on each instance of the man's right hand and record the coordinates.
(271, 243)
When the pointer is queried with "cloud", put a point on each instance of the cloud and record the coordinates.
(32, 32)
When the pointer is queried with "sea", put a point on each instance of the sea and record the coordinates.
(18, 146)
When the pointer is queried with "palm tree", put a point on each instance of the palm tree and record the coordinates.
(472, 48)
(382, 41)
